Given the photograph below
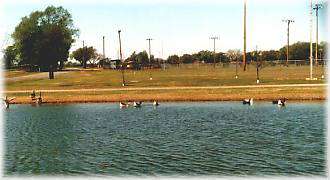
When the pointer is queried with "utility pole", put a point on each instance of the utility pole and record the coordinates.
(236, 75)
(311, 41)
(150, 76)
(244, 37)
(214, 38)
(316, 8)
(84, 52)
(163, 56)
(258, 64)
(288, 21)
(103, 48)
(121, 60)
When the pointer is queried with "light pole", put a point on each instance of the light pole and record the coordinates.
(236, 76)
(214, 38)
(244, 37)
(103, 47)
(256, 56)
(149, 40)
(288, 21)
(258, 65)
(163, 56)
(121, 60)
(311, 41)
(316, 8)
(83, 56)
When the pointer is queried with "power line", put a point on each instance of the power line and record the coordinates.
(214, 38)
(244, 37)
(84, 52)
(103, 48)
(316, 8)
(288, 21)
(121, 60)
(311, 41)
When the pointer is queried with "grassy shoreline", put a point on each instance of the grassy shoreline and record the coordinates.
(259, 94)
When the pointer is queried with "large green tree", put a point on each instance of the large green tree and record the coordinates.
(44, 38)
(10, 56)
(187, 58)
(173, 59)
(205, 56)
(83, 55)
(142, 59)
(271, 55)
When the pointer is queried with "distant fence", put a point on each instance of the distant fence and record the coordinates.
(306, 62)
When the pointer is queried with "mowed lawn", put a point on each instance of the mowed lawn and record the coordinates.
(16, 73)
(185, 75)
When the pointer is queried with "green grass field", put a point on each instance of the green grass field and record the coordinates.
(193, 75)
(188, 75)
(15, 73)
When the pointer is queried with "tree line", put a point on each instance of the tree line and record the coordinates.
(298, 51)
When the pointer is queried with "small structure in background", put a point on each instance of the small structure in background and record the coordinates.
(108, 63)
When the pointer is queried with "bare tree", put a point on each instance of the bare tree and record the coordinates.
(234, 55)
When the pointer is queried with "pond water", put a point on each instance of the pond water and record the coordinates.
(202, 138)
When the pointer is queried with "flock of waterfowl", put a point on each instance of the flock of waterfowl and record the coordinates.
(135, 104)
(36, 100)
(279, 102)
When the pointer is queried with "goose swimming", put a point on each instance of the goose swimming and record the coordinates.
(155, 103)
(137, 104)
(123, 105)
(280, 102)
(248, 101)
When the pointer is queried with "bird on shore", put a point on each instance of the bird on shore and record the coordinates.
(7, 101)
(155, 103)
(33, 95)
(137, 104)
(248, 101)
(39, 99)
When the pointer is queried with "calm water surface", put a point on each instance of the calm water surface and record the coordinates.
(218, 138)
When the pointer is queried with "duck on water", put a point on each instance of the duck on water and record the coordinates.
(136, 104)
(248, 101)
(280, 102)
(155, 103)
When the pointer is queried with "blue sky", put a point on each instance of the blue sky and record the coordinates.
(177, 26)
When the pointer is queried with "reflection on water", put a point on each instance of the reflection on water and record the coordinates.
(173, 139)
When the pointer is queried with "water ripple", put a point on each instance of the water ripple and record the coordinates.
(173, 139)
